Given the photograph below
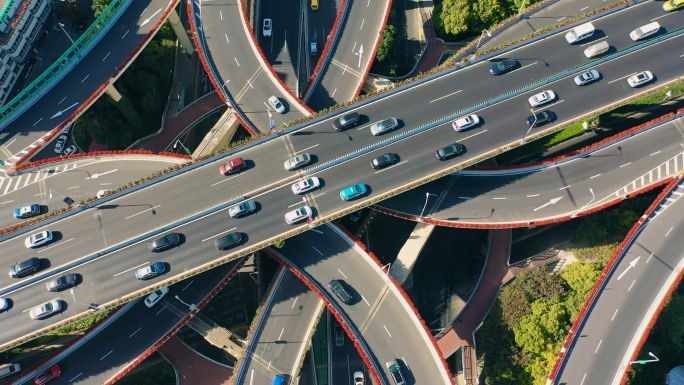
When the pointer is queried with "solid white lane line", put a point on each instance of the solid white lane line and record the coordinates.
(585, 375)
(73, 187)
(137, 330)
(630, 286)
(188, 285)
(84, 79)
(445, 96)
(237, 62)
(597, 175)
(655, 153)
(583, 9)
(212, 237)
(105, 356)
(281, 334)
(597, 347)
(499, 198)
(317, 250)
(668, 232)
(388, 333)
(468, 137)
(308, 148)
(160, 310)
(624, 77)
(59, 244)
(385, 169)
(561, 18)
(151, 208)
(465, 198)
(649, 258)
(614, 314)
(660, 17)
(131, 269)
(345, 277)
(7, 202)
(626, 164)
(295, 301)
(106, 56)
(225, 180)
(563, 188)
(535, 195)
(362, 21)
(365, 300)
(77, 376)
(531, 64)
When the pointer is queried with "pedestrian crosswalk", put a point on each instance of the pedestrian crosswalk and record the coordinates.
(10, 184)
(665, 170)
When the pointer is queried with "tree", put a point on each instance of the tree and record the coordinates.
(387, 48)
(489, 13)
(543, 328)
(100, 5)
(529, 286)
(453, 16)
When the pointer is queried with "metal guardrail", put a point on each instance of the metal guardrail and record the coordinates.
(64, 64)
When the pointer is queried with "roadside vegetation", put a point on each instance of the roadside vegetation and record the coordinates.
(525, 328)
(386, 58)
(144, 88)
(158, 374)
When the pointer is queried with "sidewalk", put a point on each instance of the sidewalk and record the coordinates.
(193, 368)
(434, 50)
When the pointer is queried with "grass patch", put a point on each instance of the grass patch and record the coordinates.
(82, 324)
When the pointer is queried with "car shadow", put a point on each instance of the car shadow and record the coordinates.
(45, 264)
(181, 239)
(257, 208)
(249, 164)
(356, 296)
(10, 305)
(314, 160)
(56, 237)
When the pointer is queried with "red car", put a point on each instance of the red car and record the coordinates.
(233, 166)
(48, 375)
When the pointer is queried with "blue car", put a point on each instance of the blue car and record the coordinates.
(353, 192)
(150, 271)
(27, 211)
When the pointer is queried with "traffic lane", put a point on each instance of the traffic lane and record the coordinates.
(283, 336)
(86, 77)
(346, 361)
(235, 61)
(282, 48)
(134, 332)
(392, 336)
(623, 304)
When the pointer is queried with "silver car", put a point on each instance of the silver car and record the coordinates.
(297, 162)
(39, 239)
(298, 215)
(242, 209)
(306, 185)
(383, 126)
(46, 309)
(587, 77)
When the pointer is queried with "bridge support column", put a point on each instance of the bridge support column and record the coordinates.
(181, 34)
(113, 93)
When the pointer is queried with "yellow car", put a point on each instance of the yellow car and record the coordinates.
(671, 5)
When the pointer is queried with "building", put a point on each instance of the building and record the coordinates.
(21, 24)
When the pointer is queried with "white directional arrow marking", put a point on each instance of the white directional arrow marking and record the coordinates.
(59, 113)
(150, 18)
(96, 175)
(360, 53)
(631, 265)
(551, 202)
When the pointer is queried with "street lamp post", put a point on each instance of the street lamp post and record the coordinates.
(522, 141)
(642, 362)
(522, 5)
(66, 200)
(478, 40)
(427, 196)
(92, 306)
(585, 205)
(189, 305)
(65, 32)
(175, 145)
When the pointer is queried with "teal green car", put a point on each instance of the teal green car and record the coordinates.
(353, 192)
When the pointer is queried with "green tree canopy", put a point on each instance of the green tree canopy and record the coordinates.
(454, 16)
(528, 287)
(100, 5)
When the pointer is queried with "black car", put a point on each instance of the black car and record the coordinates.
(26, 267)
(62, 282)
(541, 118)
(346, 121)
(337, 288)
(228, 241)
(449, 151)
(166, 242)
(384, 160)
(503, 66)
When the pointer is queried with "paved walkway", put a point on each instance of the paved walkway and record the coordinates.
(193, 369)
(434, 50)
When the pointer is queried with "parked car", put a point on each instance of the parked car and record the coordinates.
(449, 151)
(64, 282)
(339, 290)
(502, 67)
(383, 126)
(228, 241)
(298, 215)
(39, 239)
(267, 27)
(306, 185)
(24, 268)
(587, 77)
(346, 121)
(539, 118)
(45, 310)
(358, 378)
(242, 209)
(276, 104)
(296, 162)
(27, 211)
(640, 79)
(353, 191)
(339, 336)
(384, 160)
(232, 166)
(70, 150)
(542, 98)
(166, 242)
(395, 372)
(313, 43)
(150, 271)
(156, 296)
(50, 374)
(465, 122)
(61, 141)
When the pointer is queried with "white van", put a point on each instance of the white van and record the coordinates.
(9, 369)
(596, 49)
(580, 33)
(644, 31)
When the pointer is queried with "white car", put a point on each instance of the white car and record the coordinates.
(276, 104)
(70, 150)
(4, 303)
(297, 162)
(39, 239)
(465, 122)
(156, 296)
(306, 185)
(640, 78)
(46, 309)
(61, 141)
(587, 77)
(542, 98)
(298, 215)
(268, 25)
(358, 378)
